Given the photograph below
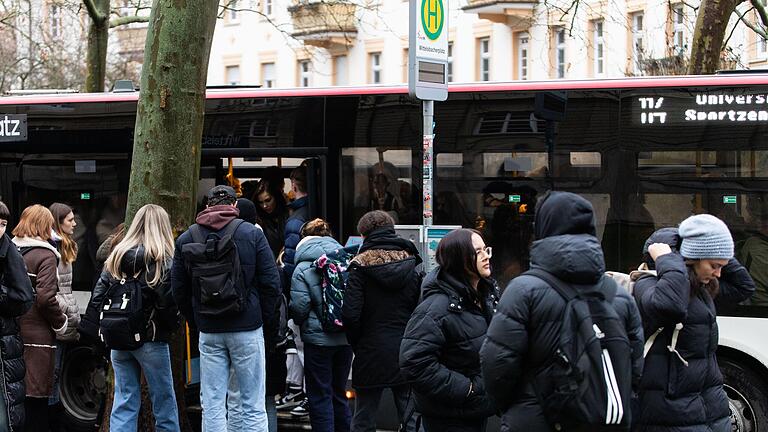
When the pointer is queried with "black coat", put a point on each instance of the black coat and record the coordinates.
(672, 396)
(524, 333)
(382, 292)
(17, 296)
(440, 352)
(160, 311)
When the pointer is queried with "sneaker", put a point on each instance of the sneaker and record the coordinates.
(302, 409)
(291, 399)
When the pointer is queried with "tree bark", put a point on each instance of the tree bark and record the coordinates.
(98, 39)
(169, 123)
(708, 35)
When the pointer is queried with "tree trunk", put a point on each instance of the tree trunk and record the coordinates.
(169, 124)
(708, 36)
(96, 56)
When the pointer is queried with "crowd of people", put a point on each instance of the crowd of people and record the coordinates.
(450, 347)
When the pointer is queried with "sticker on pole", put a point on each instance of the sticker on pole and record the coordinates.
(428, 49)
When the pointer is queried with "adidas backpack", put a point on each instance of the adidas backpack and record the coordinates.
(589, 381)
(213, 265)
(122, 324)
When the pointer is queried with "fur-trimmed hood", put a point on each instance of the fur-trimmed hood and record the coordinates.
(26, 242)
(392, 268)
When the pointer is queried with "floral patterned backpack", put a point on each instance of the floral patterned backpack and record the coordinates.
(333, 273)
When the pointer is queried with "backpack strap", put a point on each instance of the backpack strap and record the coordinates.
(566, 291)
(229, 229)
(672, 347)
(197, 235)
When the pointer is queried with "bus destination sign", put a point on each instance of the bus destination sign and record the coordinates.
(699, 108)
(13, 127)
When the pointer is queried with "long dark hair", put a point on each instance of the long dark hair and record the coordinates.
(456, 255)
(712, 287)
(276, 191)
(68, 247)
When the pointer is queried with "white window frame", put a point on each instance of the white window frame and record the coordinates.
(678, 28)
(268, 81)
(560, 53)
(523, 57)
(484, 55)
(638, 32)
(449, 71)
(227, 70)
(54, 20)
(305, 73)
(598, 53)
(374, 59)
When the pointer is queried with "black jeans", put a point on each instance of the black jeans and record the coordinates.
(436, 424)
(326, 370)
(367, 406)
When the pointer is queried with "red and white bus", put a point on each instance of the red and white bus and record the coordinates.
(646, 152)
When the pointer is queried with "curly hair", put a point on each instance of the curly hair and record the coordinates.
(316, 227)
(372, 220)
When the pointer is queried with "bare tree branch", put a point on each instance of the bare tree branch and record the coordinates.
(755, 28)
(760, 8)
(124, 20)
(93, 11)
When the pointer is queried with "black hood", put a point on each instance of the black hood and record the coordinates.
(559, 213)
(669, 236)
(440, 282)
(385, 238)
(392, 276)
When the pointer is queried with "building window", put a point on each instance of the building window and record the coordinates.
(450, 62)
(268, 75)
(522, 56)
(484, 50)
(598, 48)
(232, 75)
(678, 28)
(233, 14)
(637, 41)
(54, 17)
(340, 70)
(267, 7)
(560, 52)
(305, 73)
(375, 67)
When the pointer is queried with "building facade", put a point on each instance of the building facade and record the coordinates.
(290, 43)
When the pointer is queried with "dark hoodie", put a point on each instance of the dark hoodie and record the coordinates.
(259, 272)
(524, 333)
(160, 311)
(382, 292)
(440, 351)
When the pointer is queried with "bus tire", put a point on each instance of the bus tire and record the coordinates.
(82, 387)
(747, 396)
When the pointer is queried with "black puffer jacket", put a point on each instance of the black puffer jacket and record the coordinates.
(382, 292)
(440, 351)
(16, 297)
(673, 396)
(524, 333)
(160, 311)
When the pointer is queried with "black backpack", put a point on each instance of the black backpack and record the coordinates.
(122, 323)
(589, 381)
(213, 265)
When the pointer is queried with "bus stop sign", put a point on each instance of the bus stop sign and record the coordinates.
(428, 49)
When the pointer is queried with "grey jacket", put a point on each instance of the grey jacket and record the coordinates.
(68, 303)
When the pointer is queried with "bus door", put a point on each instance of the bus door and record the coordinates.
(245, 168)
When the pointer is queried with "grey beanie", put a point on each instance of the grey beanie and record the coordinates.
(705, 237)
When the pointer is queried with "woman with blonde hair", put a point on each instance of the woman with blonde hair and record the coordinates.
(45, 320)
(146, 254)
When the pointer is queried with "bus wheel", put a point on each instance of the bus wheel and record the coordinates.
(747, 397)
(83, 384)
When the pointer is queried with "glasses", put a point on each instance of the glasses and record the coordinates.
(488, 251)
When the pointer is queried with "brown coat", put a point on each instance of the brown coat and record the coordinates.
(38, 324)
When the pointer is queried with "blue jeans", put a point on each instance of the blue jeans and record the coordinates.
(234, 410)
(244, 353)
(154, 359)
(326, 370)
